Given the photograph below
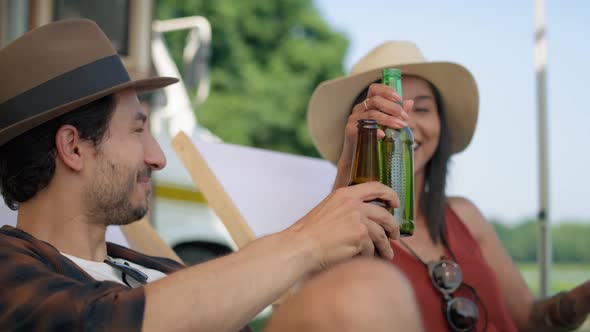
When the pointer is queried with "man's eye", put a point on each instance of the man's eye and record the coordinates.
(139, 130)
(421, 110)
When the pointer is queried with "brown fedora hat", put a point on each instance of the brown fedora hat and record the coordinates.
(331, 102)
(56, 68)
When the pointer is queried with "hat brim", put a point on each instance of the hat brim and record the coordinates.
(18, 128)
(331, 103)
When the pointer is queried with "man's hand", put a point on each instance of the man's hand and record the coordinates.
(344, 225)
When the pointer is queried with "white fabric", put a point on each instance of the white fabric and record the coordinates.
(104, 272)
(272, 190)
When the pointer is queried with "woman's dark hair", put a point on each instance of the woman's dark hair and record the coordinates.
(433, 200)
(27, 162)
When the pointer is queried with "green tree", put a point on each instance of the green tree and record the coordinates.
(519, 240)
(569, 241)
(523, 241)
(267, 58)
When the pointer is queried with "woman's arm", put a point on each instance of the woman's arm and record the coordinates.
(566, 311)
(529, 314)
(343, 171)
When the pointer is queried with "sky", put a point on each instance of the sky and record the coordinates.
(494, 40)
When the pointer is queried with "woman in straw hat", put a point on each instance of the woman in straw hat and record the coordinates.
(454, 260)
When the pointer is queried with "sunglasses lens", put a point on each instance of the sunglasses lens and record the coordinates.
(462, 314)
(447, 275)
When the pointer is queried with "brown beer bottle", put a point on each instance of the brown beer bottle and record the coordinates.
(366, 163)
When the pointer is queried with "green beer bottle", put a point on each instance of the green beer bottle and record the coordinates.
(365, 166)
(397, 161)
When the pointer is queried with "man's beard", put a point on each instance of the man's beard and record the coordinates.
(108, 198)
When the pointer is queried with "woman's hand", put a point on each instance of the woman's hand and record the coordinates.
(382, 104)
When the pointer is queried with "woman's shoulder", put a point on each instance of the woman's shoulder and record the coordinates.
(471, 217)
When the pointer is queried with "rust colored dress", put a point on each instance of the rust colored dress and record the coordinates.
(476, 273)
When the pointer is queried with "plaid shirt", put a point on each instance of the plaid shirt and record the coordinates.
(41, 290)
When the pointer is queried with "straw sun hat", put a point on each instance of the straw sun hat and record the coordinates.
(331, 102)
(57, 68)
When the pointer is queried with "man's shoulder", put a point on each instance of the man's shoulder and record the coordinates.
(11, 237)
(19, 251)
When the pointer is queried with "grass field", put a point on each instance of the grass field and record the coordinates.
(563, 276)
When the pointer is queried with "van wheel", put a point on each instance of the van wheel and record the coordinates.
(200, 252)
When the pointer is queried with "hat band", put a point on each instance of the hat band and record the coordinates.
(81, 82)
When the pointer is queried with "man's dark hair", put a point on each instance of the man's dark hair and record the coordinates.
(27, 162)
(433, 200)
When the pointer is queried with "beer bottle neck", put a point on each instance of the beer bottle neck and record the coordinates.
(393, 77)
(366, 160)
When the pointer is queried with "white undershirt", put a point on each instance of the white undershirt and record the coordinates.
(101, 271)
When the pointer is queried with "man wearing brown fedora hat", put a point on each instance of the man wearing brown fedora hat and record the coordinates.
(76, 156)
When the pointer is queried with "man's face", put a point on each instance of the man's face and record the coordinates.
(119, 189)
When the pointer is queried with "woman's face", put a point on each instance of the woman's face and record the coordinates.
(424, 120)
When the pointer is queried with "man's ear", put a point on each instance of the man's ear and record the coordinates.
(68, 147)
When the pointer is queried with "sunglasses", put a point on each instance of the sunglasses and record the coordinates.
(461, 313)
(137, 276)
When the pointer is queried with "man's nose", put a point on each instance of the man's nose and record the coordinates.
(154, 156)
